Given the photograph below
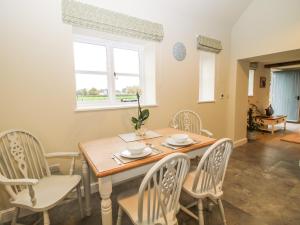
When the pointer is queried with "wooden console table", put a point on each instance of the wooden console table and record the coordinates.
(269, 122)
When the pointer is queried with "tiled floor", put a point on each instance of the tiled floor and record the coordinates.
(261, 188)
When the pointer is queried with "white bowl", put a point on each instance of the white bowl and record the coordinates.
(136, 148)
(180, 138)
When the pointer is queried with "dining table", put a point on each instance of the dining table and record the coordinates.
(98, 156)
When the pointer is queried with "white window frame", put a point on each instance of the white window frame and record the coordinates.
(112, 101)
(251, 78)
(200, 99)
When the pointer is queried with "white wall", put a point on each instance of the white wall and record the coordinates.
(261, 96)
(37, 86)
(266, 27)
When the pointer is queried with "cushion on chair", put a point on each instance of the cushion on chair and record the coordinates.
(188, 187)
(48, 192)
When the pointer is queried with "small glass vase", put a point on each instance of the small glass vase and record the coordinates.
(141, 132)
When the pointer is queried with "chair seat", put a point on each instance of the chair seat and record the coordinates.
(48, 192)
(188, 187)
(128, 201)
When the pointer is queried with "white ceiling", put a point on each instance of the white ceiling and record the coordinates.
(224, 12)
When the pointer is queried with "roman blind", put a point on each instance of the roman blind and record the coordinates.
(209, 44)
(91, 17)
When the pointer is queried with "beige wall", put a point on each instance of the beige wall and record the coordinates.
(37, 86)
(265, 27)
(261, 95)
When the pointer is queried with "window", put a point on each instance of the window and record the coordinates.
(108, 73)
(251, 83)
(207, 76)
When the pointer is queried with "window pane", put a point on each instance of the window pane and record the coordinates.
(91, 89)
(207, 76)
(126, 88)
(126, 61)
(89, 57)
(251, 83)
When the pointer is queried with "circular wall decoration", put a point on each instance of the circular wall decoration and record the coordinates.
(179, 51)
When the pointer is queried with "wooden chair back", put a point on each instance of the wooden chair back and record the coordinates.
(158, 200)
(21, 156)
(211, 169)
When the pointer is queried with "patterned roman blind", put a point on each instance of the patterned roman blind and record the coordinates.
(91, 17)
(209, 44)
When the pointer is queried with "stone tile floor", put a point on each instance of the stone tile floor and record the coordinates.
(261, 188)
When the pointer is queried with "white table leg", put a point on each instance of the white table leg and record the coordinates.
(105, 189)
(87, 186)
(284, 125)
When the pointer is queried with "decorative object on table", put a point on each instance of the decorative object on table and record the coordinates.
(129, 137)
(269, 110)
(139, 121)
(262, 82)
(128, 154)
(179, 51)
(252, 126)
(123, 157)
(179, 140)
(136, 148)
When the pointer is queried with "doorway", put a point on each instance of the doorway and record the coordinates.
(285, 93)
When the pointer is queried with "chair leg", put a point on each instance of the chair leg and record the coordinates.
(16, 214)
(120, 214)
(222, 211)
(200, 212)
(46, 218)
(79, 199)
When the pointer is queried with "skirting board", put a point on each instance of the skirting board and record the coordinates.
(240, 142)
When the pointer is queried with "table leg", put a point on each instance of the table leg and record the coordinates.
(273, 128)
(105, 189)
(284, 126)
(86, 186)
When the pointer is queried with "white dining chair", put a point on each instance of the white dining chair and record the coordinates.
(25, 174)
(207, 180)
(157, 201)
(188, 120)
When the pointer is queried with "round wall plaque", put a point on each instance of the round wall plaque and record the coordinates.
(179, 51)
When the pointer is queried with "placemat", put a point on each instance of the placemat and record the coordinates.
(129, 137)
(124, 160)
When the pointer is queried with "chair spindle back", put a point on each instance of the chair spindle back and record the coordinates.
(21, 156)
(211, 169)
(187, 120)
(160, 190)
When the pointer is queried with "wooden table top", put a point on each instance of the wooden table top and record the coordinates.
(99, 152)
(271, 117)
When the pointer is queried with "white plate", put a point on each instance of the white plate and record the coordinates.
(171, 141)
(127, 154)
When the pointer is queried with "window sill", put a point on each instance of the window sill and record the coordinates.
(111, 107)
(202, 102)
